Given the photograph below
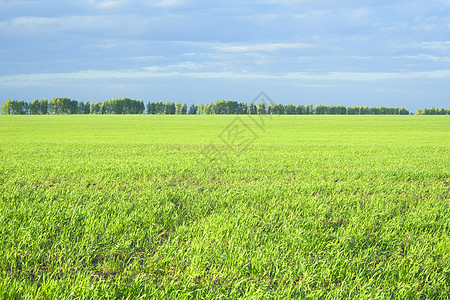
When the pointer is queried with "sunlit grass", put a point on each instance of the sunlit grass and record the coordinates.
(162, 207)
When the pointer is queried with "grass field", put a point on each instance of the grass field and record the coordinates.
(224, 207)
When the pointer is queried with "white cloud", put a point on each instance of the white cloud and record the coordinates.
(9, 4)
(289, 2)
(429, 57)
(443, 45)
(107, 4)
(101, 25)
(145, 58)
(160, 72)
(186, 67)
(271, 47)
(359, 13)
(32, 21)
(110, 4)
(27, 26)
(318, 15)
(165, 3)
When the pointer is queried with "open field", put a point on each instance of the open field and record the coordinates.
(179, 206)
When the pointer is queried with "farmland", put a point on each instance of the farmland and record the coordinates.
(208, 206)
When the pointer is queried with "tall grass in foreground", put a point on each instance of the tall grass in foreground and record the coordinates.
(145, 207)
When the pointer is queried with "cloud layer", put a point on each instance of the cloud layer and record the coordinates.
(268, 44)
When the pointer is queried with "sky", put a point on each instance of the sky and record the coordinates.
(342, 52)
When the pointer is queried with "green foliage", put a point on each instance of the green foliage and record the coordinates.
(251, 109)
(221, 107)
(261, 109)
(6, 107)
(43, 106)
(359, 110)
(145, 207)
(433, 111)
(192, 109)
(200, 109)
(183, 108)
(14, 107)
(63, 106)
(34, 107)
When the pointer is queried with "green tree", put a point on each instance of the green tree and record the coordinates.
(208, 109)
(309, 109)
(300, 110)
(251, 108)
(219, 107)
(6, 107)
(183, 108)
(169, 108)
(200, 109)
(104, 108)
(261, 108)
(151, 108)
(43, 106)
(72, 107)
(242, 108)
(52, 107)
(141, 107)
(192, 109)
(96, 108)
(290, 109)
(178, 109)
(34, 107)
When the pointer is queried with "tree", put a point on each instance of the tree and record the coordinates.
(242, 108)
(104, 108)
(251, 108)
(364, 110)
(341, 110)
(72, 107)
(183, 108)
(96, 108)
(87, 108)
(159, 108)
(192, 109)
(151, 108)
(200, 109)
(232, 107)
(65, 105)
(208, 109)
(309, 110)
(6, 107)
(300, 110)
(178, 109)
(320, 109)
(34, 107)
(278, 109)
(261, 108)
(21, 107)
(52, 107)
(290, 109)
(116, 106)
(374, 110)
(219, 107)
(43, 106)
(169, 108)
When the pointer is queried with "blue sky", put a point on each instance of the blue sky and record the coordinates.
(373, 52)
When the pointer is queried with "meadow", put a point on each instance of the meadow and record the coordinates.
(224, 207)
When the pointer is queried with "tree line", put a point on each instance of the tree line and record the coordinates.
(221, 107)
(433, 111)
(58, 106)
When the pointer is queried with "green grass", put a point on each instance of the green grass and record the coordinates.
(161, 207)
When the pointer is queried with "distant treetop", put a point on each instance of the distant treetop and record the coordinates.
(221, 107)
